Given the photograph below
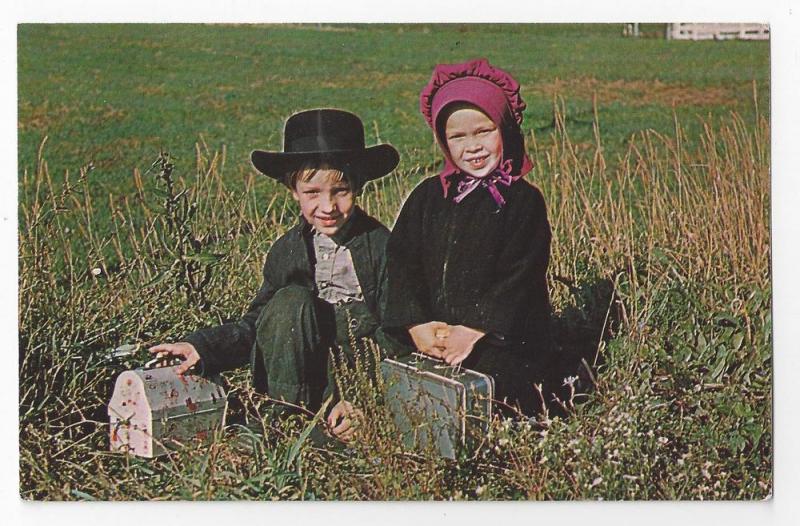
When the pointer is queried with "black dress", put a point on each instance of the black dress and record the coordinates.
(474, 264)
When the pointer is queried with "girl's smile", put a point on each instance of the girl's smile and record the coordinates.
(474, 141)
(477, 162)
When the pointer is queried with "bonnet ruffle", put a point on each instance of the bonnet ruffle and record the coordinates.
(480, 68)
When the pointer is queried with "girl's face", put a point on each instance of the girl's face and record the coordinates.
(325, 203)
(474, 141)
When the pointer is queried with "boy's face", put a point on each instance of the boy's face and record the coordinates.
(474, 142)
(324, 202)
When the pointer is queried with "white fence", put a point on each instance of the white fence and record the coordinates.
(718, 31)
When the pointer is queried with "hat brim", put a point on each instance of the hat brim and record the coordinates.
(360, 165)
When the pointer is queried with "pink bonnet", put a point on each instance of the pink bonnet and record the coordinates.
(489, 88)
(476, 82)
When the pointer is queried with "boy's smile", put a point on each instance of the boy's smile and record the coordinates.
(325, 202)
(474, 141)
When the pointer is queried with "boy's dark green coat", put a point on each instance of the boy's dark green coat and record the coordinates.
(289, 263)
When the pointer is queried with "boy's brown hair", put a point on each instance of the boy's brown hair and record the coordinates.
(305, 172)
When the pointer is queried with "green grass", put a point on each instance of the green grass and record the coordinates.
(659, 276)
(116, 94)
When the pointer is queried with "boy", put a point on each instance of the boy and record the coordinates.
(323, 279)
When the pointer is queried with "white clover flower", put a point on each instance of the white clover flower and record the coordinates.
(97, 271)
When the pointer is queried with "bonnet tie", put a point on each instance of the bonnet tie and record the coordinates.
(502, 175)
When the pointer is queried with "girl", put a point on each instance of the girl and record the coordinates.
(468, 254)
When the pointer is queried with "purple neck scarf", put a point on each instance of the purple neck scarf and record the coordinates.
(501, 175)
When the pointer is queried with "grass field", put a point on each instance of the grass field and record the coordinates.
(653, 157)
(116, 94)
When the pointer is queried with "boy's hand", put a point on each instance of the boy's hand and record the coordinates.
(460, 343)
(429, 338)
(183, 350)
(343, 420)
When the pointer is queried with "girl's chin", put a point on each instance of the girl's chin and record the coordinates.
(478, 174)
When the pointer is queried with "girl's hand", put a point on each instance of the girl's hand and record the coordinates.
(460, 343)
(429, 338)
(183, 350)
(343, 420)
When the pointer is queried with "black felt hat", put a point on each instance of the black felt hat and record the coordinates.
(327, 135)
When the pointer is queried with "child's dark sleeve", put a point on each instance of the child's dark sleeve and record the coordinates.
(228, 346)
(393, 342)
(519, 296)
(406, 291)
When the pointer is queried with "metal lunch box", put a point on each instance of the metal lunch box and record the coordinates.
(437, 405)
(152, 409)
